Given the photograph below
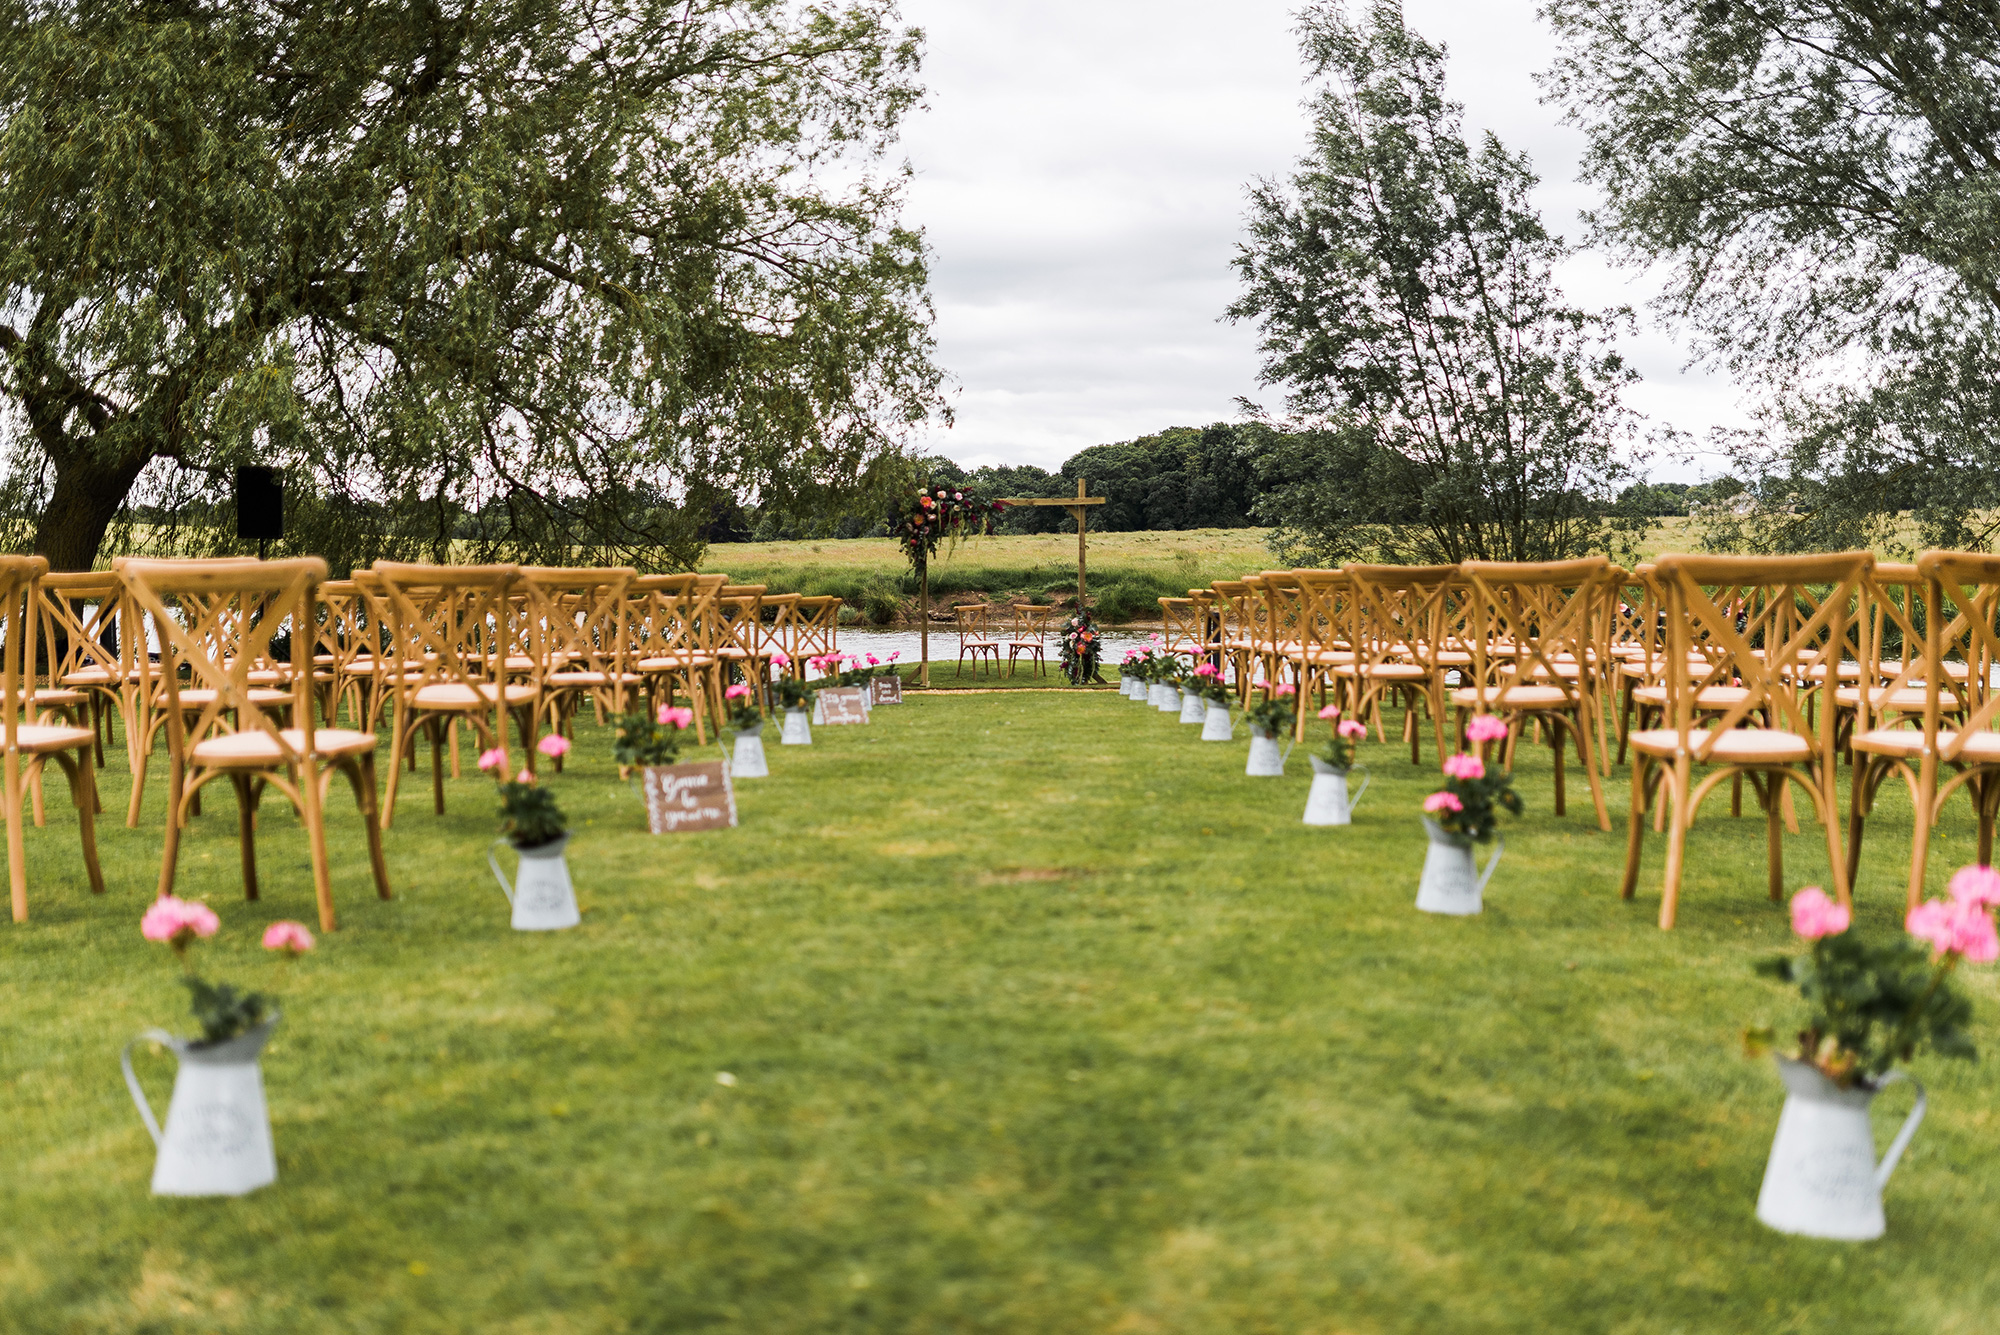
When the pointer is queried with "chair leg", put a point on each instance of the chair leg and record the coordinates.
(170, 850)
(1920, 844)
(17, 852)
(1861, 799)
(435, 727)
(1586, 757)
(1676, 782)
(1826, 808)
(1774, 837)
(396, 744)
(361, 773)
(1636, 836)
(246, 832)
(83, 787)
(312, 811)
(1556, 729)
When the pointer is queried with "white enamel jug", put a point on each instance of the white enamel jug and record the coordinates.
(543, 899)
(1125, 685)
(1164, 697)
(218, 1136)
(798, 728)
(1266, 760)
(748, 760)
(1452, 883)
(1328, 802)
(1215, 723)
(1822, 1180)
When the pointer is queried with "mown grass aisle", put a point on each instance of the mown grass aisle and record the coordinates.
(1040, 1018)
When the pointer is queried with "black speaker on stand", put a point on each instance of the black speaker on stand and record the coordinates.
(260, 505)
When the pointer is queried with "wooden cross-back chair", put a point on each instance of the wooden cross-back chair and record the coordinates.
(1766, 619)
(1259, 630)
(91, 672)
(1208, 616)
(816, 628)
(1404, 625)
(739, 610)
(217, 619)
(1548, 618)
(1180, 628)
(974, 624)
(678, 639)
(1028, 635)
(29, 745)
(1889, 622)
(1233, 599)
(450, 633)
(578, 641)
(1322, 626)
(1952, 727)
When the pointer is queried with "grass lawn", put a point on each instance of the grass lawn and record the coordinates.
(1041, 1017)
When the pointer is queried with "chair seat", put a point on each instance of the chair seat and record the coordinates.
(58, 697)
(1905, 699)
(458, 695)
(1026, 644)
(1383, 671)
(1708, 697)
(1452, 658)
(1981, 747)
(200, 697)
(1733, 746)
(97, 676)
(592, 678)
(675, 662)
(256, 747)
(40, 737)
(1511, 697)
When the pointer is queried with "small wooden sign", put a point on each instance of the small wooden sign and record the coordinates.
(888, 689)
(694, 796)
(843, 704)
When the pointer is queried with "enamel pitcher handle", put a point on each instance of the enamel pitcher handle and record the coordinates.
(506, 888)
(1354, 798)
(1909, 1129)
(1499, 847)
(132, 1081)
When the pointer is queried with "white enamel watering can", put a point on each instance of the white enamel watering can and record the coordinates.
(543, 899)
(1822, 1180)
(1328, 802)
(1194, 709)
(798, 728)
(1266, 760)
(1215, 723)
(218, 1136)
(1452, 883)
(1164, 697)
(747, 761)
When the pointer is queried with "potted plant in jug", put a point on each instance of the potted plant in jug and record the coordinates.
(746, 720)
(796, 699)
(1328, 802)
(1466, 811)
(1271, 715)
(1208, 688)
(534, 827)
(1873, 1004)
(1187, 695)
(217, 1141)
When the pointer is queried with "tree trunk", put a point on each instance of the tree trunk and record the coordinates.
(87, 495)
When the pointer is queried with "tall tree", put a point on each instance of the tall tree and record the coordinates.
(1819, 183)
(474, 267)
(1401, 284)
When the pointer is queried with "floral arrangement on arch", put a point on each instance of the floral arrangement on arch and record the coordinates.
(937, 515)
(1277, 710)
(1339, 753)
(1470, 802)
(1875, 1003)
(1080, 647)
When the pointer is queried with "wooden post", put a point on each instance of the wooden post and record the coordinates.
(924, 621)
(1080, 513)
(1078, 507)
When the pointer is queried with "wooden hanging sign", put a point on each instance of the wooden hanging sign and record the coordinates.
(693, 796)
(843, 704)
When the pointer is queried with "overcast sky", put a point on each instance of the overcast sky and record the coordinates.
(1081, 177)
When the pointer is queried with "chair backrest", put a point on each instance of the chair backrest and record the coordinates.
(1233, 600)
(449, 625)
(1762, 622)
(1181, 626)
(19, 596)
(576, 618)
(1539, 623)
(973, 622)
(659, 621)
(1961, 635)
(218, 619)
(78, 612)
(1405, 613)
(740, 609)
(818, 627)
(1031, 621)
(1323, 616)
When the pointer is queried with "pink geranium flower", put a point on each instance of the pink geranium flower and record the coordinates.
(1437, 802)
(1207, 670)
(673, 717)
(1976, 885)
(895, 654)
(555, 744)
(1956, 928)
(780, 660)
(873, 661)
(492, 759)
(1283, 690)
(177, 922)
(1330, 713)
(1814, 915)
(290, 937)
(526, 776)
(737, 692)
(1351, 728)
(1465, 767)
(1485, 728)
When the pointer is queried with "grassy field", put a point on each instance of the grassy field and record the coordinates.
(1041, 1017)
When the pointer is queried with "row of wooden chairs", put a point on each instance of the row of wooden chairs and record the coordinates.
(1023, 628)
(269, 673)
(1765, 671)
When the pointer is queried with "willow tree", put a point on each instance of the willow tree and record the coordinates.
(1452, 403)
(521, 273)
